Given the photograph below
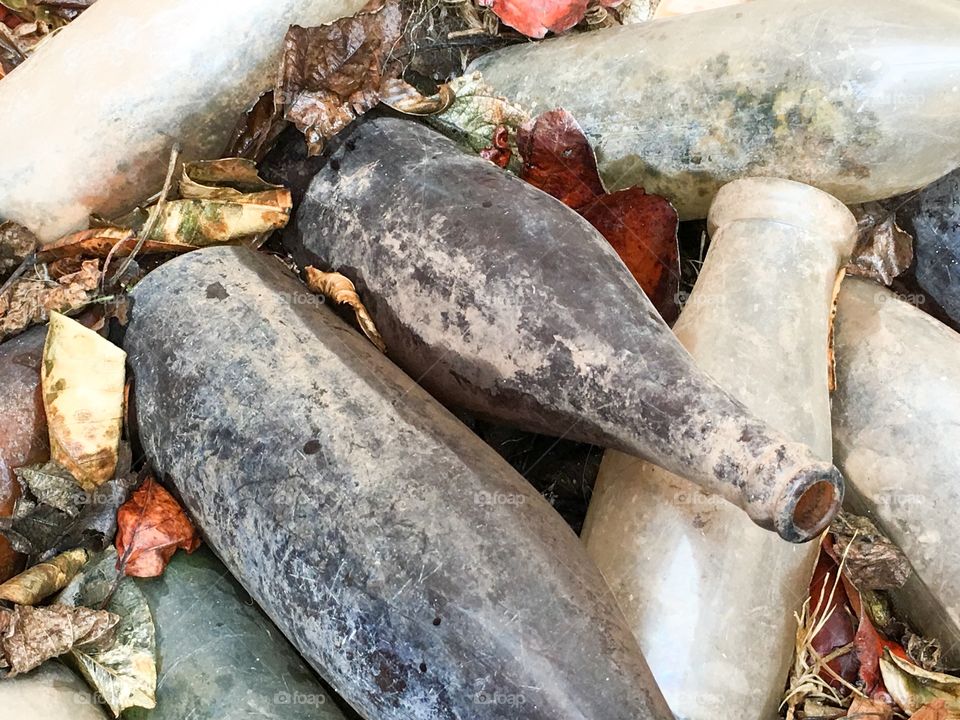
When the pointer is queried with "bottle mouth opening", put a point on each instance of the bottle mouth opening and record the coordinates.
(812, 510)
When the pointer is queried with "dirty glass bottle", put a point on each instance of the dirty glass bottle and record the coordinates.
(408, 563)
(96, 111)
(860, 98)
(501, 300)
(219, 656)
(934, 219)
(709, 597)
(896, 433)
(51, 692)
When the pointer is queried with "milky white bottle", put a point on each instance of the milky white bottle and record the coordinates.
(709, 596)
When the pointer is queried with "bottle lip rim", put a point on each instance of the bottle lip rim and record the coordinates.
(783, 201)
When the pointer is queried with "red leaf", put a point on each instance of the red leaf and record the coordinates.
(838, 630)
(642, 228)
(151, 526)
(534, 18)
(499, 152)
(558, 159)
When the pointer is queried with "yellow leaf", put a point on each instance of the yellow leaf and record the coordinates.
(82, 378)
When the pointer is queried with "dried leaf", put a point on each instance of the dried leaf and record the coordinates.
(865, 709)
(913, 687)
(151, 526)
(535, 18)
(52, 484)
(883, 250)
(103, 242)
(44, 579)
(123, 671)
(870, 646)
(937, 710)
(404, 97)
(200, 223)
(838, 630)
(16, 243)
(331, 74)
(234, 179)
(642, 228)
(476, 113)
(74, 519)
(922, 651)
(31, 300)
(340, 289)
(873, 562)
(257, 130)
(30, 636)
(82, 377)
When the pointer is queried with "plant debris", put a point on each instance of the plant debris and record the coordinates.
(31, 299)
(16, 244)
(124, 670)
(642, 228)
(151, 526)
(477, 113)
(44, 579)
(913, 687)
(30, 636)
(54, 513)
(332, 74)
(535, 18)
(341, 290)
(873, 562)
(884, 250)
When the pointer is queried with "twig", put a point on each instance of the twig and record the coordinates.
(154, 217)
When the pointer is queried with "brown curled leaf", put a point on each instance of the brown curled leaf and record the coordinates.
(31, 299)
(341, 290)
(101, 242)
(44, 579)
(404, 97)
(332, 74)
(499, 152)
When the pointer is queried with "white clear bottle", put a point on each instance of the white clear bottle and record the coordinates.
(88, 122)
(896, 434)
(860, 98)
(709, 596)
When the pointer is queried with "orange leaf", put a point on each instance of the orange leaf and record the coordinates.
(937, 710)
(151, 526)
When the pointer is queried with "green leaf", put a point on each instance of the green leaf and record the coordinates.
(476, 113)
(124, 671)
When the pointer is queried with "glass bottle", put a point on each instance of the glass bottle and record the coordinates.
(896, 433)
(404, 559)
(860, 98)
(513, 307)
(710, 599)
(96, 111)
